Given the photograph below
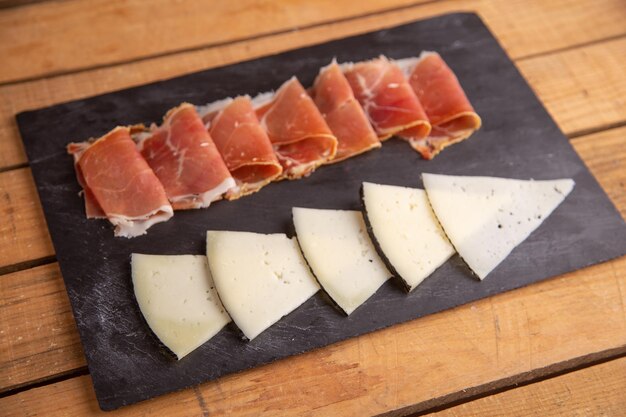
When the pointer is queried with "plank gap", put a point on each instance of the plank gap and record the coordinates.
(20, 266)
(11, 4)
(12, 167)
(38, 383)
(594, 130)
(495, 387)
(570, 47)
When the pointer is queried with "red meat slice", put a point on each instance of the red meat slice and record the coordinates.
(343, 113)
(301, 138)
(387, 98)
(451, 115)
(118, 183)
(244, 146)
(185, 159)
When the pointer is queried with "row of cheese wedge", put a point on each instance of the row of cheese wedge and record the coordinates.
(256, 279)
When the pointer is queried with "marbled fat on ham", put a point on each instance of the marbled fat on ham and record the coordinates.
(343, 113)
(451, 115)
(387, 98)
(244, 146)
(301, 138)
(118, 184)
(185, 159)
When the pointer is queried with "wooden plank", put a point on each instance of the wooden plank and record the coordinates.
(520, 331)
(583, 88)
(560, 91)
(593, 391)
(539, 18)
(38, 336)
(5, 4)
(66, 36)
(23, 230)
(535, 27)
(447, 355)
(608, 166)
(61, 37)
(180, 404)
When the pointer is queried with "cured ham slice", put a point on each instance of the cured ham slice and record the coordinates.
(243, 144)
(451, 115)
(185, 159)
(118, 184)
(343, 113)
(387, 98)
(301, 138)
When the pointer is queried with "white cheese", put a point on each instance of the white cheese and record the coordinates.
(177, 297)
(485, 218)
(260, 278)
(336, 246)
(406, 231)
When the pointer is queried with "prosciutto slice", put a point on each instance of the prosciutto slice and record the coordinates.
(301, 138)
(343, 113)
(387, 98)
(451, 115)
(185, 159)
(243, 144)
(118, 184)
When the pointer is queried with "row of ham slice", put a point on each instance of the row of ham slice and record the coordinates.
(137, 176)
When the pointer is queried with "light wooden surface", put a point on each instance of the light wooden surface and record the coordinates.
(595, 391)
(573, 54)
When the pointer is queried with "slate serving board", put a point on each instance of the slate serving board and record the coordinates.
(518, 140)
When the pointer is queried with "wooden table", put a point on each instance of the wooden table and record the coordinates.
(554, 348)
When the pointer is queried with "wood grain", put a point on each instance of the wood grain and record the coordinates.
(583, 88)
(23, 230)
(534, 27)
(594, 391)
(4, 4)
(546, 26)
(181, 404)
(60, 37)
(608, 166)
(66, 36)
(38, 336)
(513, 335)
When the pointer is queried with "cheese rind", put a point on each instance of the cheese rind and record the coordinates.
(485, 218)
(177, 297)
(260, 278)
(406, 231)
(337, 247)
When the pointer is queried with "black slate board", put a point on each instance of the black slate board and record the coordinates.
(518, 140)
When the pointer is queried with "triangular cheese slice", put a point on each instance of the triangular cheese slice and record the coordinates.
(341, 255)
(177, 297)
(406, 231)
(485, 218)
(260, 278)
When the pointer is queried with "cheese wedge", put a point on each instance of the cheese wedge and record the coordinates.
(177, 297)
(406, 231)
(485, 218)
(260, 278)
(341, 255)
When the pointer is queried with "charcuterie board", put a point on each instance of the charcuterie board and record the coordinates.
(518, 140)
